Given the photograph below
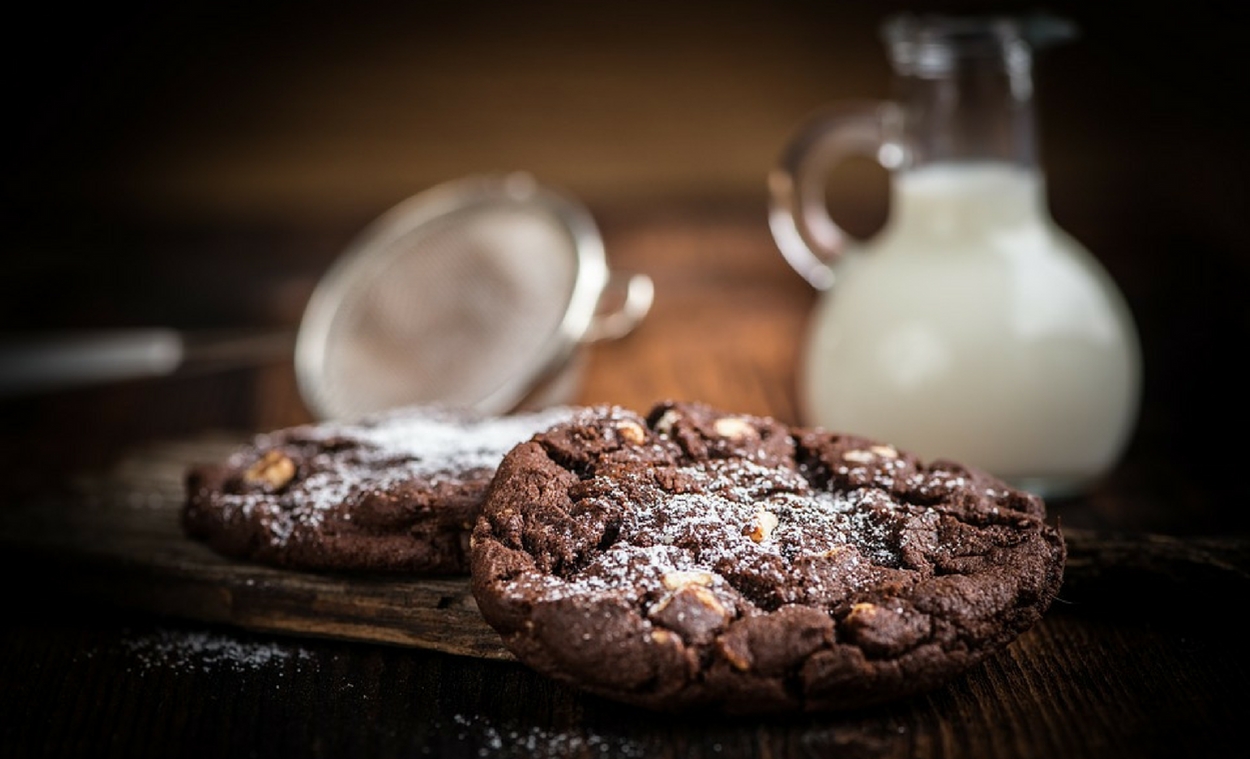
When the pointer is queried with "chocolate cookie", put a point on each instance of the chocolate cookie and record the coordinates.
(393, 491)
(698, 559)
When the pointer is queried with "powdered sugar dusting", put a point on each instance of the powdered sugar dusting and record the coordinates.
(764, 534)
(351, 460)
(512, 740)
(209, 652)
(430, 443)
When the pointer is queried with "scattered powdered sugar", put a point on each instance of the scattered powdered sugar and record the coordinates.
(938, 483)
(375, 454)
(739, 522)
(431, 442)
(883, 473)
(209, 651)
(536, 741)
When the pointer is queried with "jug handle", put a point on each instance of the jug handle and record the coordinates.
(806, 234)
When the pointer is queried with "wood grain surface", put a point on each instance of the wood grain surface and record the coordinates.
(127, 639)
(122, 539)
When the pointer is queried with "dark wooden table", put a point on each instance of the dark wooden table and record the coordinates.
(1143, 655)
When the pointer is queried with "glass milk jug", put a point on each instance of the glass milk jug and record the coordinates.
(970, 327)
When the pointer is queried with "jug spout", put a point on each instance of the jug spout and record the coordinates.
(965, 84)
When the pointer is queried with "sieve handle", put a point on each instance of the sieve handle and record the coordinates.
(83, 358)
(92, 357)
(634, 293)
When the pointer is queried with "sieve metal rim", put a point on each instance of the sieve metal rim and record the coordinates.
(372, 247)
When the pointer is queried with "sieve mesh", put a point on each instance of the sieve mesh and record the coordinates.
(449, 311)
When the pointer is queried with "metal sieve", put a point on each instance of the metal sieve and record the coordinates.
(477, 293)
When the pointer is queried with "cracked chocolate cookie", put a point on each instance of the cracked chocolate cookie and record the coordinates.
(397, 491)
(696, 559)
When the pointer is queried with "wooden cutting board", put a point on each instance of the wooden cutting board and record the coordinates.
(117, 538)
(120, 540)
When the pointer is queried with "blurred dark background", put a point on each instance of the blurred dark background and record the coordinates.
(236, 111)
(197, 164)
